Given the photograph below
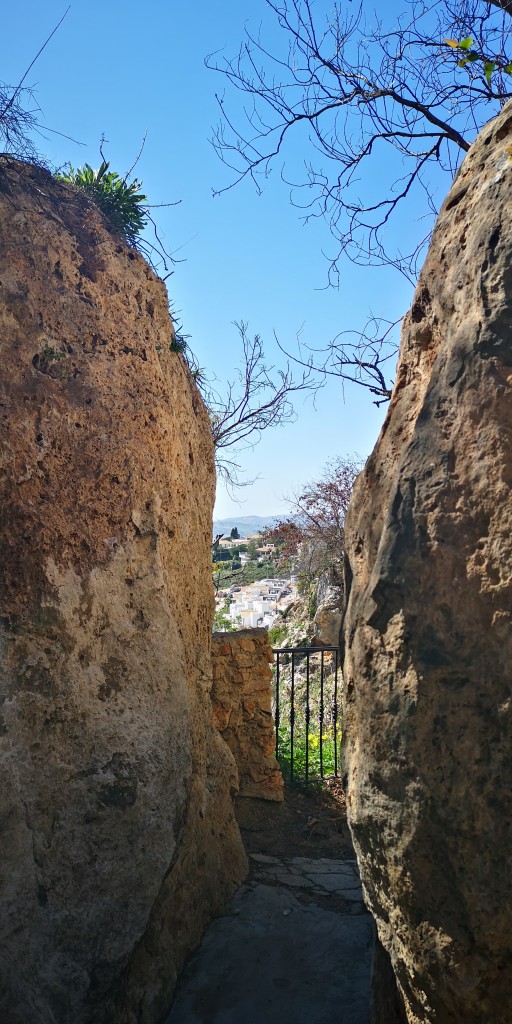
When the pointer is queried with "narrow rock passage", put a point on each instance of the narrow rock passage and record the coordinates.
(294, 945)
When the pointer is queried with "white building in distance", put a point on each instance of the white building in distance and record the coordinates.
(258, 604)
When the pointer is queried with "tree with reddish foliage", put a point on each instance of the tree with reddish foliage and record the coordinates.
(322, 508)
(315, 533)
(286, 535)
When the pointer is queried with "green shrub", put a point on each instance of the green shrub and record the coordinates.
(221, 620)
(178, 343)
(277, 634)
(122, 204)
(312, 704)
(299, 753)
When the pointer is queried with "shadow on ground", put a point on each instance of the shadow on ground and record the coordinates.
(295, 943)
(307, 823)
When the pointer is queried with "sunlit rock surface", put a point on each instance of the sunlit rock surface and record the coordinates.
(118, 836)
(428, 629)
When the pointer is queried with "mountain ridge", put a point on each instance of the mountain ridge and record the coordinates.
(246, 525)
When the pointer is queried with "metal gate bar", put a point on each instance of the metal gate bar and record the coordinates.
(300, 699)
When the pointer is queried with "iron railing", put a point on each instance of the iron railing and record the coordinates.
(306, 711)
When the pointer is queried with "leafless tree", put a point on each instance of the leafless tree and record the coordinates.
(368, 360)
(352, 88)
(18, 118)
(19, 112)
(260, 397)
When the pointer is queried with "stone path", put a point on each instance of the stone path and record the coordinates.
(293, 947)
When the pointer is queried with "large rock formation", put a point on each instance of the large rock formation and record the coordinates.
(429, 623)
(118, 839)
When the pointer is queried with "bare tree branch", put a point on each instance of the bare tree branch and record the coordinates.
(17, 120)
(259, 398)
(354, 89)
(504, 5)
(369, 359)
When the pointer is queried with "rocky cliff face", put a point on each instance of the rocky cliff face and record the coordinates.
(119, 840)
(428, 627)
(328, 615)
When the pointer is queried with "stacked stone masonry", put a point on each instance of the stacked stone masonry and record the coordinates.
(241, 698)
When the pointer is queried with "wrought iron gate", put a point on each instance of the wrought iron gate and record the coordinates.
(306, 712)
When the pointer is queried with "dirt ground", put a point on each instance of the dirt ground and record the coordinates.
(307, 824)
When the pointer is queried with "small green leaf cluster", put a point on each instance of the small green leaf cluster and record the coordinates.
(221, 621)
(311, 740)
(277, 635)
(122, 204)
(472, 57)
(49, 354)
(178, 343)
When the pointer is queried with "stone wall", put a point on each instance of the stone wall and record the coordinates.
(428, 629)
(241, 698)
(119, 840)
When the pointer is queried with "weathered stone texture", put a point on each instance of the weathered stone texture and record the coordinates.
(328, 614)
(119, 840)
(429, 623)
(241, 696)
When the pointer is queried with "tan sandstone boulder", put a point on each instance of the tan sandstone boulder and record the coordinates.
(118, 835)
(428, 629)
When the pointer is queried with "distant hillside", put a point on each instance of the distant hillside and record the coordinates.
(244, 524)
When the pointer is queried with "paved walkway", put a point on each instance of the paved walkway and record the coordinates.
(293, 947)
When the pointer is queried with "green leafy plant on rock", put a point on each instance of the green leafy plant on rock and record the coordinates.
(122, 203)
(179, 344)
(50, 361)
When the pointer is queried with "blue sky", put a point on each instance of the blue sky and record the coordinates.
(121, 70)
